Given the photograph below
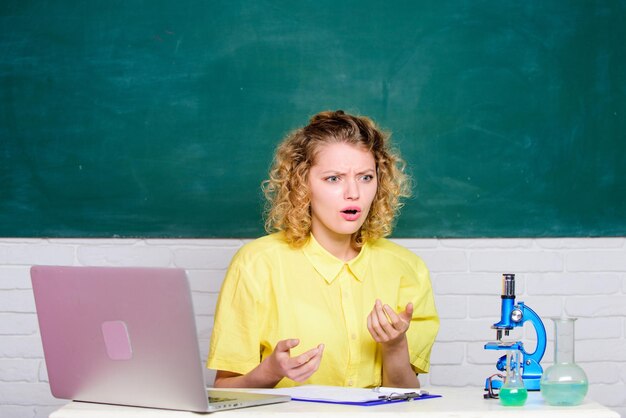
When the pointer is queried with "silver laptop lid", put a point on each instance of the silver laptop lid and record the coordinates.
(120, 335)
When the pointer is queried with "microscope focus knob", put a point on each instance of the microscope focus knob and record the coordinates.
(516, 315)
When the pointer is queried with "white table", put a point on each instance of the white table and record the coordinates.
(456, 402)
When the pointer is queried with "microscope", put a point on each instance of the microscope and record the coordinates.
(514, 315)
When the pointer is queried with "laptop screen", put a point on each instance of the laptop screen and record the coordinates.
(120, 335)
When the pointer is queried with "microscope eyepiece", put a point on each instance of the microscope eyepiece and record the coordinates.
(508, 286)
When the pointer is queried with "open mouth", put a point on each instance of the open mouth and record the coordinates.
(351, 213)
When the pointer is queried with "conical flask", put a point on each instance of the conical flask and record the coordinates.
(513, 392)
(564, 383)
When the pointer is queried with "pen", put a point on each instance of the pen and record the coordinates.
(394, 396)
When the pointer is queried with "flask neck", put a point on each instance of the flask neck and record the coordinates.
(564, 340)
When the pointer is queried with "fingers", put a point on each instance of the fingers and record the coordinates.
(284, 346)
(376, 321)
(384, 324)
(298, 368)
(304, 365)
(408, 311)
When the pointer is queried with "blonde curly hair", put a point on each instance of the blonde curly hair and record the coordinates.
(287, 192)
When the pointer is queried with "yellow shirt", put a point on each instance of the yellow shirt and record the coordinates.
(273, 292)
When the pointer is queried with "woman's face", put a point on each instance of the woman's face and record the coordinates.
(343, 184)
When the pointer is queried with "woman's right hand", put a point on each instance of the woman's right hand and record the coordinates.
(299, 368)
(274, 368)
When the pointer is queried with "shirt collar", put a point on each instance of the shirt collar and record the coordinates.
(330, 266)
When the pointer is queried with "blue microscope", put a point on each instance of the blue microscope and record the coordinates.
(516, 315)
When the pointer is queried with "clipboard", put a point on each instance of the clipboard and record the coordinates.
(352, 396)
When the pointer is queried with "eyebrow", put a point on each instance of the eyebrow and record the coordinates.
(366, 171)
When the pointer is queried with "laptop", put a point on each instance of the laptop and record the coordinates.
(126, 336)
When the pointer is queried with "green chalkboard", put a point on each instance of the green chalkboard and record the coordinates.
(159, 118)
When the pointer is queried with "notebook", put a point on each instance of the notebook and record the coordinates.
(126, 336)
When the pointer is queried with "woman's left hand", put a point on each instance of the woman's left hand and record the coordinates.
(387, 326)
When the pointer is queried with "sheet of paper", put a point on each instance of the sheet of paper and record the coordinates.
(336, 393)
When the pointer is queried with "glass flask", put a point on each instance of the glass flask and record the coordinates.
(564, 383)
(513, 392)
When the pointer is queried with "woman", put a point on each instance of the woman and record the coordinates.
(325, 299)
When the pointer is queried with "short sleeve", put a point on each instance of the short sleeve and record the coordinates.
(425, 323)
(235, 339)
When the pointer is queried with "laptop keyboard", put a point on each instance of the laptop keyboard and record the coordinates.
(219, 399)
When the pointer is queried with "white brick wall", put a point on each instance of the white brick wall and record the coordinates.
(585, 278)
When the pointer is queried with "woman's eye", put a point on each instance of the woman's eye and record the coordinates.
(332, 179)
(367, 178)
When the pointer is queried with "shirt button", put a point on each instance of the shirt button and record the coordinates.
(353, 336)
(350, 382)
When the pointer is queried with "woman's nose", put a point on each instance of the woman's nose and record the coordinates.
(352, 190)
